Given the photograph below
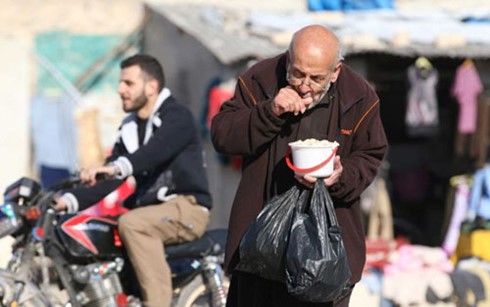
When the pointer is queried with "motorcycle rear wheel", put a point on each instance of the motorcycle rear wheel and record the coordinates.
(196, 294)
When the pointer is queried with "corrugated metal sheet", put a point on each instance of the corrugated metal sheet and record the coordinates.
(232, 40)
(474, 52)
(228, 47)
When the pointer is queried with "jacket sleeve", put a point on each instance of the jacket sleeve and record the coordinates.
(368, 148)
(246, 123)
(84, 197)
(80, 198)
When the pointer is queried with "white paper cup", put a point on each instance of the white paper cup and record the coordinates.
(311, 156)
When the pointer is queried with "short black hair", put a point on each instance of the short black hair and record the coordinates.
(149, 65)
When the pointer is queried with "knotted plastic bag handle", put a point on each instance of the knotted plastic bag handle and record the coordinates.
(309, 169)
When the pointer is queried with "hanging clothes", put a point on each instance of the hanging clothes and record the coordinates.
(220, 90)
(217, 96)
(479, 205)
(422, 116)
(459, 208)
(54, 136)
(466, 88)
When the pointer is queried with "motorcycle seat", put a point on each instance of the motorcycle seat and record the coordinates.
(212, 243)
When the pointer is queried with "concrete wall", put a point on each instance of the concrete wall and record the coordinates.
(189, 67)
(14, 118)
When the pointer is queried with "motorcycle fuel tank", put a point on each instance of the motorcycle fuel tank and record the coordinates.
(90, 236)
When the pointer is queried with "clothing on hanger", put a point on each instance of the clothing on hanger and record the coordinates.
(422, 115)
(423, 63)
(466, 88)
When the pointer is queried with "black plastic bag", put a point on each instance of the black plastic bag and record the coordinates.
(263, 245)
(316, 262)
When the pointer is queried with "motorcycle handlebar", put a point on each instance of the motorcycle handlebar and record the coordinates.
(66, 183)
(38, 204)
(74, 181)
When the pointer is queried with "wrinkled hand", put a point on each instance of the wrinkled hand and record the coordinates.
(90, 176)
(288, 100)
(309, 181)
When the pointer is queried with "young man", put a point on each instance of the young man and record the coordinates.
(304, 93)
(160, 146)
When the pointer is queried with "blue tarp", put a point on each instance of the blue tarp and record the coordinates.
(349, 5)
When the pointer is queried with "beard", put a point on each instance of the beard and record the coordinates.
(136, 103)
(320, 95)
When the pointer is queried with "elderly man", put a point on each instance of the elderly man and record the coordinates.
(306, 92)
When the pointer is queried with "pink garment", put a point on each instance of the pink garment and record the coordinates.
(466, 88)
(460, 207)
(411, 258)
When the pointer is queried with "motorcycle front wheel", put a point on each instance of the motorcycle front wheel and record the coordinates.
(30, 295)
(196, 294)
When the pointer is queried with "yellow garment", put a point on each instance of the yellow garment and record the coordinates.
(473, 244)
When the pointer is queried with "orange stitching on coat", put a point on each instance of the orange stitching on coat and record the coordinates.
(346, 131)
(248, 91)
(365, 114)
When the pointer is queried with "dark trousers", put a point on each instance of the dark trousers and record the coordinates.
(247, 290)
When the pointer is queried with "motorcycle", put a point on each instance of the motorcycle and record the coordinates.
(76, 260)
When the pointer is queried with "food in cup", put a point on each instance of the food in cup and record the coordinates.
(314, 143)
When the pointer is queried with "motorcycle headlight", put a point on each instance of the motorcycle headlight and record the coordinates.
(9, 220)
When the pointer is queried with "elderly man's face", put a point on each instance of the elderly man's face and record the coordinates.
(309, 84)
(310, 72)
(312, 68)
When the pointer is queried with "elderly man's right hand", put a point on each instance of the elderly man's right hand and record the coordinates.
(288, 100)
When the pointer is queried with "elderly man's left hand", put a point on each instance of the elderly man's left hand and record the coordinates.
(309, 181)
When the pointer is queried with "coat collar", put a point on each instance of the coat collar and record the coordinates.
(349, 88)
(129, 128)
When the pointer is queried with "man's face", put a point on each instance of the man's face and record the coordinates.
(310, 73)
(309, 84)
(132, 89)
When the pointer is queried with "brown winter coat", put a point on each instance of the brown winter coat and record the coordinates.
(246, 126)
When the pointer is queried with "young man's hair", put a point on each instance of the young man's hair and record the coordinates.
(149, 65)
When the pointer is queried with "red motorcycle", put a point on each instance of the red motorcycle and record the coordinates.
(76, 260)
